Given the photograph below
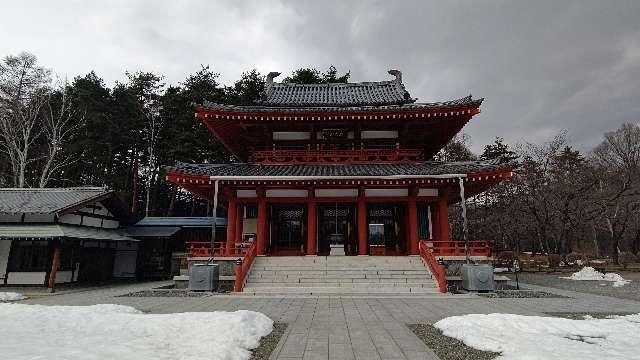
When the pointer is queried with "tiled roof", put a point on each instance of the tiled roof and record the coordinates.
(338, 94)
(467, 101)
(30, 231)
(46, 200)
(338, 170)
(205, 221)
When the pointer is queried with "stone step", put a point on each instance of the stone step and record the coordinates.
(340, 285)
(339, 275)
(338, 281)
(331, 272)
(329, 290)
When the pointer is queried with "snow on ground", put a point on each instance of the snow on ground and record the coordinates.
(11, 296)
(121, 332)
(589, 273)
(548, 338)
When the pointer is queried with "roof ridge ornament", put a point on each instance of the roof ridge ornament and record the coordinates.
(397, 74)
(272, 75)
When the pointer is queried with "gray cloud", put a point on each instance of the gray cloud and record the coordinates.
(542, 66)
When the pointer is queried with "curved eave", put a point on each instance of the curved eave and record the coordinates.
(449, 108)
(475, 183)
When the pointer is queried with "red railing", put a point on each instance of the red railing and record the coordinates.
(219, 248)
(364, 155)
(456, 247)
(436, 269)
(243, 265)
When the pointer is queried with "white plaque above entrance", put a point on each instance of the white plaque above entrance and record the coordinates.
(287, 193)
(246, 193)
(428, 192)
(386, 192)
(336, 192)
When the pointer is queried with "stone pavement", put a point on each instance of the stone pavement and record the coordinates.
(356, 327)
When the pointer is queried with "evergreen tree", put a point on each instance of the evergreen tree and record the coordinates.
(499, 151)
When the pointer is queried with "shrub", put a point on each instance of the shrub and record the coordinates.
(576, 259)
(554, 261)
(505, 258)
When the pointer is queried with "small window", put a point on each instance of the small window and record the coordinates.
(251, 211)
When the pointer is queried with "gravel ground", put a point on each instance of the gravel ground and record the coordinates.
(630, 291)
(448, 348)
(166, 293)
(520, 294)
(268, 343)
(581, 315)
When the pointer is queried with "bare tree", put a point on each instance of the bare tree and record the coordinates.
(60, 125)
(616, 166)
(24, 89)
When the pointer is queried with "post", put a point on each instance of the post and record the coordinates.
(363, 248)
(215, 216)
(261, 223)
(412, 213)
(311, 223)
(443, 220)
(430, 222)
(239, 222)
(465, 230)
(232, 212)
(55, 264)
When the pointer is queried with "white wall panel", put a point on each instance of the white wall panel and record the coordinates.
(36, 218)
(10, 218)
(70, 219)
(26, 278)
(386, 192)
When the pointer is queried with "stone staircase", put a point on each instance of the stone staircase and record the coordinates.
(340, 275)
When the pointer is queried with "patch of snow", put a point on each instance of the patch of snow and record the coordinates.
(536, 337)
(11, 296)
(501, 270)
(597, 261)
(110, 331)
(589, 273)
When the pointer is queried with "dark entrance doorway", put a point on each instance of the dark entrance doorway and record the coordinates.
(386, 229)
(336, 226)
(287, 229)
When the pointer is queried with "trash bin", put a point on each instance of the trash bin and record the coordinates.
(204, 277)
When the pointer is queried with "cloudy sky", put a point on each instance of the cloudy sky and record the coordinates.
(543, 66)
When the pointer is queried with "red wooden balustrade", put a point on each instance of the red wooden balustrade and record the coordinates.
(243, 266)
(219, 249)
(436, 269)
(360, 155)
(456, 247)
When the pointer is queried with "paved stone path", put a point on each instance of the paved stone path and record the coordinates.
(349, 327)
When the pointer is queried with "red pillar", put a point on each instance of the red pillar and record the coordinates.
(262, 222)
(363, 246)
(311, 224)
(232, 212)
(239, 222)
(443, 220)
(412, 213)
